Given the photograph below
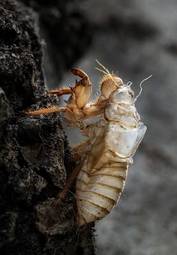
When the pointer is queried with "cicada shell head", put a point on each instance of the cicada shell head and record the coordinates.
(124, 95)
(110, 83)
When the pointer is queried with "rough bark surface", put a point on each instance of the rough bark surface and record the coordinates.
(34, 154)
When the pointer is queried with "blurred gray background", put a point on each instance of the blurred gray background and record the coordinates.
(134, 39)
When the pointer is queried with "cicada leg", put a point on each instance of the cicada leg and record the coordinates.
(52, 109)
(78, 150)
(60, 91)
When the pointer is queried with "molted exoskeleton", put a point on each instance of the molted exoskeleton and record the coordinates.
(111, 142)
(104, 170)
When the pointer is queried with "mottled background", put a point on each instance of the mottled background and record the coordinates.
(135, 39)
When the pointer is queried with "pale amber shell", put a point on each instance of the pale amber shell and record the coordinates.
(100, 182)
(104, 169)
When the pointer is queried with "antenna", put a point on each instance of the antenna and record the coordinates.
(102, 71)
(104, 68)
(105, 71)
(141, 88)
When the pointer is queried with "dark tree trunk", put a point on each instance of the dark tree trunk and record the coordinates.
(34, 155)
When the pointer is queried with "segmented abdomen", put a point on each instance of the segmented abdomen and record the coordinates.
(99, 189)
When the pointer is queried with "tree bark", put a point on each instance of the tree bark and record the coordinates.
(35, 158)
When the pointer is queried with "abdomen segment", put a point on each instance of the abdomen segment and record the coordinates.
(98, 190)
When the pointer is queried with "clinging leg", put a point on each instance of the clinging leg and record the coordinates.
(48, 110)
(61, 91)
